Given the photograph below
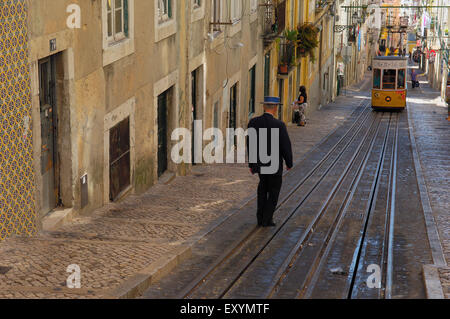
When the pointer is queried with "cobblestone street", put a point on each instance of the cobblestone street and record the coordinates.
(432, 132)
(175, 152)
(146, 231)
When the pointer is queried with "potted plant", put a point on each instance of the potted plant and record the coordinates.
(288, 55)
(307, 39)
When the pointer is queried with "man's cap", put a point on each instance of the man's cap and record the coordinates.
(271, 100)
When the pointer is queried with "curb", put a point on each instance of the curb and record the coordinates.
(432, 231)
(141, 281)
(432, 281)
(58, 218)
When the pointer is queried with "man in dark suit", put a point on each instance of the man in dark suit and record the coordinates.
(268, 160)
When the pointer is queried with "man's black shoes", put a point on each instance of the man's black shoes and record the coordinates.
(271, 224)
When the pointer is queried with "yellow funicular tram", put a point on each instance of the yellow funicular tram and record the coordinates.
(389, 82)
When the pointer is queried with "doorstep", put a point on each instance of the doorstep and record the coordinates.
(57, 218)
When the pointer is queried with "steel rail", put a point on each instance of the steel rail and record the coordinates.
(390, 247)
(284, 269)
(370, 210)
(310, 227)
(199, 280)
(312, 277)
(374, 191)
(357, 253)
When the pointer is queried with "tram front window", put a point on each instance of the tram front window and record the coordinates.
(389, 79)
(401, 79)
(376, 78)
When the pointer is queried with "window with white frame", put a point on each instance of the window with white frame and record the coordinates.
(164, 10)
(253, 6)
(117, 19)
(216, 15)
(235, 10)
(197, 4)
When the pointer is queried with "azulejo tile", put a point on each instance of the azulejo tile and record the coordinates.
(17, 206)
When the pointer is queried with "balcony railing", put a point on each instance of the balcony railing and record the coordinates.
(275, 19)
(320, 5)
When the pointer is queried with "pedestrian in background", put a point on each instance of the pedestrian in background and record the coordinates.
(300, 107)
(414, 81)
(269, 184)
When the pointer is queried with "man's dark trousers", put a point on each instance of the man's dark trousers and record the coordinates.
(268, 192)
(270, 184)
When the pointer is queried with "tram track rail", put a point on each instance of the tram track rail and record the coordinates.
(358, 125)
(318, 263)
(330, 226)
(334, 226)
(341, 207)
(356, 262)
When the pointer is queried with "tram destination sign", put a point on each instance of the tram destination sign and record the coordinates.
(389, 64)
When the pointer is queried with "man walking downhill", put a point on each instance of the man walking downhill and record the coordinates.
(277, 141)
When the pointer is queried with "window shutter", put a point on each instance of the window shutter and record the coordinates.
(125, 18)
(169, 8)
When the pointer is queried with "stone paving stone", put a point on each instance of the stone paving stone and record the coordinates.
(103, 228)
(120, 239)
(432, 132)
(47, 295)
(43, 263)
(444, 274)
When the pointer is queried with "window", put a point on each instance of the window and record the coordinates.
(267, 74)
(292, 13)
(291, 88)
(253, 6)
(164, 10)
(117, 19)
(281, 95)
(232, 120)
(215, 123)
(376, 78)
(252, 89)
(389, 79)
(216, 12)
(401, 79)
(165, 19)
(235, 10)
(216, 115)
(117, 29)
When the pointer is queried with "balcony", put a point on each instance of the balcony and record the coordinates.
(320, 5)
(274, 21)
(287, 58)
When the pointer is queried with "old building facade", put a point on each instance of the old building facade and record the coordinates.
(101, 86)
